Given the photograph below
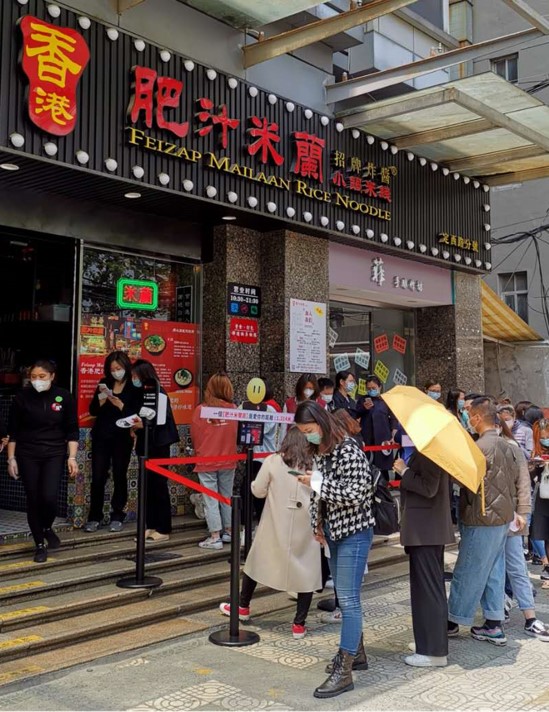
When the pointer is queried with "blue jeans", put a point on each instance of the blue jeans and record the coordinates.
(218, 515)
(517, 571)
(538, 547)
(348, 557)
(479, 574)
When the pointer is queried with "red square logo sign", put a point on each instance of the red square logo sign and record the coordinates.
(244, 331)
(381, 343)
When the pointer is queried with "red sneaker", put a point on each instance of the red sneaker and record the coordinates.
(298, 631)
(243, 613)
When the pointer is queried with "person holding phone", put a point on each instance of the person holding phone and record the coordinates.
(114, 398)
(345, 386)
(284, 554)
(379, 426)
(43, 427)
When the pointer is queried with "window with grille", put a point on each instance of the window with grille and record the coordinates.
(513, 288)
(506, 67)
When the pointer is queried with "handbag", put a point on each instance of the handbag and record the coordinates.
(384, 506)
(544, 483)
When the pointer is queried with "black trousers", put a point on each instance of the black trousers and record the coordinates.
(110, 453)
(258, 503)
(428, 598)
(159, 507)
(41, 477)
(303, 599)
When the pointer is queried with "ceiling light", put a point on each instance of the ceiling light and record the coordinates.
(132, 196)
(9, 166)
(229, 217)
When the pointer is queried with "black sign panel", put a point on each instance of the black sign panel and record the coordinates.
(159, 119)
(184, 304)
(243, 300)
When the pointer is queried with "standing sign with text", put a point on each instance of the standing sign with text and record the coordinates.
(307, 336)
(172, 348)
(243, 300)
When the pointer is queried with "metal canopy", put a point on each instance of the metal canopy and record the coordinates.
(243, 13)
(481, 126)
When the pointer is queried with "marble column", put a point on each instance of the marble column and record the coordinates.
(449, 346)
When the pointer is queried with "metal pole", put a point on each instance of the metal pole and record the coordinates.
(140, 580)
(248, 510)
(234, 637)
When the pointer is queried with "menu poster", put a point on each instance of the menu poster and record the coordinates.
(307, 336)
(172, 348)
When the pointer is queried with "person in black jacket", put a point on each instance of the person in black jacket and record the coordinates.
(159, 510)
(345, 385)
(43, 426)
(425, 528)
(114, 398)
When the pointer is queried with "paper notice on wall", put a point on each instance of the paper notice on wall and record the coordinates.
(399, 378)
(381, 343)
(381, 371)
(399, 344)
(342, 363)
(362, 358)
(361, 390)
(333, 336)
(307, 336)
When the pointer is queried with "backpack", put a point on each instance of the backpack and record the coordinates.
(384, 506)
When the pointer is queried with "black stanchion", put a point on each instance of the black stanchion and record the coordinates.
(234, 637)
(140, 580)
(248, 502)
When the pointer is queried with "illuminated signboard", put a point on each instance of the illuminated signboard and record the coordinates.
(136, 294)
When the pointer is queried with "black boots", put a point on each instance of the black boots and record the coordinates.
(341, 678)
(41, 554)
(360, 661)
(54, 542)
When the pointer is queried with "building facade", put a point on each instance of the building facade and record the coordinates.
(158, 199)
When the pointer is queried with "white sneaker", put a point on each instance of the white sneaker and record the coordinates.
(211, 543)
(417, 660)
(198, 503)
(333, 617)
(329, 583)
(226, 538)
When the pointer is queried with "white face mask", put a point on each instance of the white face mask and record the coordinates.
(327, 398)
(510, 423)
(41, 384)
(119, 374)
(308, 392)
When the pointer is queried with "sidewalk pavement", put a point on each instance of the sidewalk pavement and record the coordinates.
(280, 673)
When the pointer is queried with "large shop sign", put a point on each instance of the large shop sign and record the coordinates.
(153, 117)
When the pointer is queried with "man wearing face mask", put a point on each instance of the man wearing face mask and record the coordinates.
(326, 398)
(43, 431)
(479, 574)
(378, 424)
(114, 398)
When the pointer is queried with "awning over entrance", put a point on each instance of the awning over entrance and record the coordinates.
(500, 322)
(482, 126)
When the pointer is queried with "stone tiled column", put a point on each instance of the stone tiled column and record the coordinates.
(285, 265)
(449, 345)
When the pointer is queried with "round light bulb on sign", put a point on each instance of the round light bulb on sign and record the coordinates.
(370, 233)
(339, 127)
(410, 245)
(138, 172)
(370, 140)
(445, 171)
(165, 56)
(410, 156)
(478, 263)
(488, 265)
(355, 229)
(324, 221)
(112, 34)
(163, 178)
(139, 45)
(17, 140)
(211, 191)
(457, 257)
(307, 216)
(384, 237)
(54, 11)
(290, 106)
(290, 212)
(476, 184)
(340, 225)
(253, 92)
(188, 185)
(84, 22)
(189, 65)
(271, 207)
(324, 120)
(422, 161)
(272, 99)
(255, 391)
(111, 165)
(468, 260)
(232, 82)
(50, 148)
(308, 114)
(252, 201)
(423, 249)
(232, 197)
(397, 241)
(82, 157)
(355, 133)
(211, 74)
(434, 251)
(446, 254)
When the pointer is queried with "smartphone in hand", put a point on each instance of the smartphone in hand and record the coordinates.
(295, 473)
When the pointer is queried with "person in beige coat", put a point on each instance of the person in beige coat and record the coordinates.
(284, 555)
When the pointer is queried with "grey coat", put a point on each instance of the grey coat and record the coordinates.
(426, 519)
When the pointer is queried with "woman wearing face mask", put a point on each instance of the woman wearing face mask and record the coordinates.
(455, 403)
(326, 397)
(161, 437)
(114, 398)
(378, 424)
(43, 430)
(433, 390)
(345, 386)
(342, 519)
(521, 431)
(306, 388)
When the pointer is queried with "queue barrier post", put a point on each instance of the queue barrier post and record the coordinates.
(140, 580)
(234, 637)
(248, 502)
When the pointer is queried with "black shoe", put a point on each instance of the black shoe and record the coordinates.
(360, 661)
(448, 576)
(536, 560)
(341, 678)
(528, 556)
(54, 542)
(41, 554)
(453, 629)
(327, 604)
(544, 576)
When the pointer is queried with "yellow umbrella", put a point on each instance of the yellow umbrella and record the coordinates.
(438, 435)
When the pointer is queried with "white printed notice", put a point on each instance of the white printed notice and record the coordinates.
(362, 358)
(342, 363)
(307, 336)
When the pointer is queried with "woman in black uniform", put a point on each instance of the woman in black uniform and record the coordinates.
(112, 447)
(43, 427)
(159, 509)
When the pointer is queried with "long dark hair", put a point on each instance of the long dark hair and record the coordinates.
(302, 382)
(452, 400)
(144, 370)
(46, 365)
(120, 357)
(296, 451)
(340, 377)
(521, 407)
(310, 412)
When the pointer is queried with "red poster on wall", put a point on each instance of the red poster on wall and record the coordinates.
(243, 331)
(172, 347)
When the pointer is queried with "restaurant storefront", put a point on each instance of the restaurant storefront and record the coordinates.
(155, 205)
